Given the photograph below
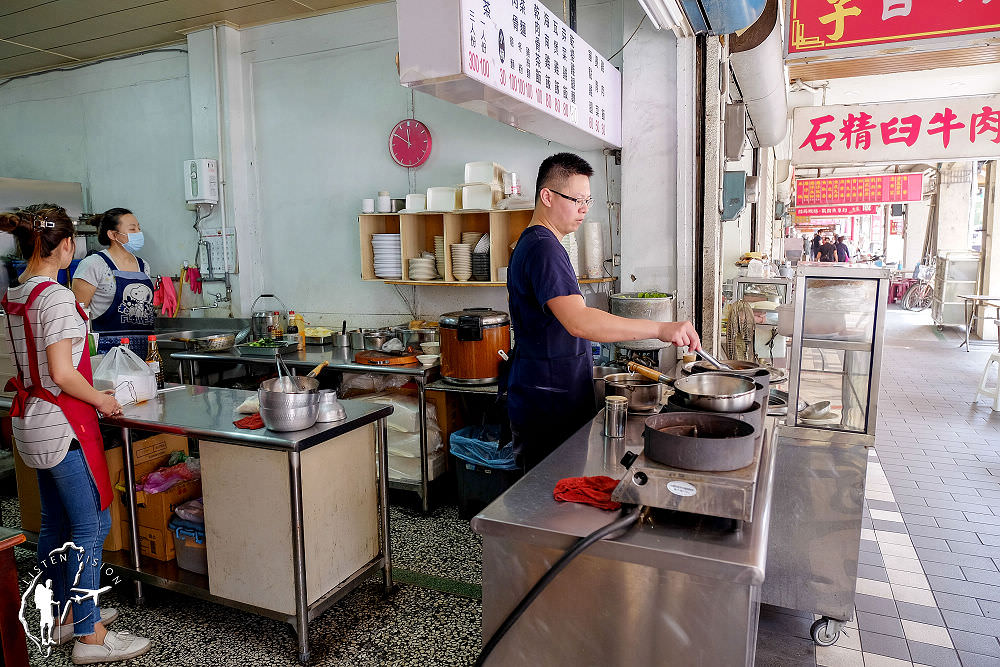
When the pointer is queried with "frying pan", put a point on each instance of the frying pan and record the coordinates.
(217, 343)
(715, 392)
(699, 441)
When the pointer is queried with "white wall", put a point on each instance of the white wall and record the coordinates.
(325, 95)
(322, 94)
(120, 128)
(948, 82)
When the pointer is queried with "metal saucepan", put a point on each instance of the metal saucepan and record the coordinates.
(218, 343)
(699, 441)
(642, 393)
(716, 392)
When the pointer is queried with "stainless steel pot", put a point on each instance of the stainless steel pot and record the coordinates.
(376, 339)
(600, 373)
(262, 320)
(642, 393)
(414, 337)
(632, 306)
(716, 392)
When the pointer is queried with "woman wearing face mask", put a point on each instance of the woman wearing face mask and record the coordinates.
(115, 284)
(54, 419)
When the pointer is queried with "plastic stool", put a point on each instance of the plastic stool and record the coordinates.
(992, 393)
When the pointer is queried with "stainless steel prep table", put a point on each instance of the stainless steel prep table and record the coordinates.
(340, 360)
(207, 413)
(686, 589)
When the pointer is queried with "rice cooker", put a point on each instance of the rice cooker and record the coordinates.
(471, 340)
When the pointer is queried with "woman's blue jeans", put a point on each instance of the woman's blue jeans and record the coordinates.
(71, 513)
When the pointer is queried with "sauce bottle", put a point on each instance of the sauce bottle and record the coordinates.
(155, 361)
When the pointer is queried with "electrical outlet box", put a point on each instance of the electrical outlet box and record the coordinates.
(220, 262)
(201, 181)
(616, 260)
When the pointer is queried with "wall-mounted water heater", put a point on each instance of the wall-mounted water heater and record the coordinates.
(201, 181)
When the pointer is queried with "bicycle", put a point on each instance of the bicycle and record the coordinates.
(920, 294)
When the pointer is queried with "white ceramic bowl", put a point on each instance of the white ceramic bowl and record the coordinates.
(427, 359)
(432, 347)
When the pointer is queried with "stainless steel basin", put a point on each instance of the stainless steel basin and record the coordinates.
(164, 339)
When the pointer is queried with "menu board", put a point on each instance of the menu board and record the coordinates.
(859, 189)
(521, 49)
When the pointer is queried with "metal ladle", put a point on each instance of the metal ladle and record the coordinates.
(712, 360)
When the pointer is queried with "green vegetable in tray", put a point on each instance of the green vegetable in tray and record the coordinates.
(267, 342)
(651, 295)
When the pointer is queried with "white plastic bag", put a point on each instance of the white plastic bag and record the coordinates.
(129, 376)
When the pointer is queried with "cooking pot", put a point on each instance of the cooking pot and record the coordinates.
(717, 392)
(601, 372)
(636, 307)
(375, 339)
(471, 340)
(699, 441)
(642, 393)
(412, 338)
(262, 320)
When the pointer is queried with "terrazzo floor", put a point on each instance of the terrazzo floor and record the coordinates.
(924, 597)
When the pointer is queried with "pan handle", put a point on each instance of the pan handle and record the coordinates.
(650, 373)
(314, 372)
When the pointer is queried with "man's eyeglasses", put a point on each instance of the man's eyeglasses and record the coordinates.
(588, 202)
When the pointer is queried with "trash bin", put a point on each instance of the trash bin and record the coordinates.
(484, 467)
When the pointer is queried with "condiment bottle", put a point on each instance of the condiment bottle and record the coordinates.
(155, 361)
(292, 328)
(275, 330)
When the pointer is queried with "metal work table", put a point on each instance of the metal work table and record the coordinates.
(687, 587)
(208, 413)
(340, 360)
(971, 304)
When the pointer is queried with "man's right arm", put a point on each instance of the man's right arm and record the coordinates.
(603, 327)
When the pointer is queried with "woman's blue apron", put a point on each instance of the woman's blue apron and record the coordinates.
(131, 314)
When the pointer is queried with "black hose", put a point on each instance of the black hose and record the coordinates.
(536, 590)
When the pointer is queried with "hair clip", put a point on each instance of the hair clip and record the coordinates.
(48, 224)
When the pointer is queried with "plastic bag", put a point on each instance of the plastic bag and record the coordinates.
(480, 445)
(129, 376)
(163, 479)
(192, 510)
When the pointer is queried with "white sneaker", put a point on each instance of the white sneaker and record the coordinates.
(117, 646)
(63, 633)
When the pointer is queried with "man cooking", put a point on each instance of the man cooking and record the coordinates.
(550, 386)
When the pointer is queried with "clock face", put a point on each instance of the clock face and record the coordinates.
(410, 143)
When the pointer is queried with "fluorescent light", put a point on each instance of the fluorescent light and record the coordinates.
(652, 17)
(667, 14)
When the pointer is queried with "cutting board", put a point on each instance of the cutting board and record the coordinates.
(374, 358)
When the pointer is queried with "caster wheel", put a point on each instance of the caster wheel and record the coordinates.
(819, 633)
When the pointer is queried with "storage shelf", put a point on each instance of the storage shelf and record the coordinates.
(477, 283)
(416, 236)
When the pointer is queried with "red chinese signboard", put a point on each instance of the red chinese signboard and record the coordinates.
(832, 211)
(896, 227)
(950, 128)
(817, 25)
(859, 189)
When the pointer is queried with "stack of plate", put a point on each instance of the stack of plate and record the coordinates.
(421, 268)
(573, 250)
(388, 256)
(439, 255)
(471, 238)
(461, 261)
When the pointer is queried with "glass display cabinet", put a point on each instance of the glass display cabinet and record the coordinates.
(836, 347)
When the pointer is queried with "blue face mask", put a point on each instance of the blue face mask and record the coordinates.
(135, 242)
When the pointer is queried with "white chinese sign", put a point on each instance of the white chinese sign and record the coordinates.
(521, 49)
(953, 128)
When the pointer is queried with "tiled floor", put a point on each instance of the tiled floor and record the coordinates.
(928, 588)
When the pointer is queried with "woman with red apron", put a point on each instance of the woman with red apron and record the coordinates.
(54, 420)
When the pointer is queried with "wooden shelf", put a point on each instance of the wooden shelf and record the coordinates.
(478, 283)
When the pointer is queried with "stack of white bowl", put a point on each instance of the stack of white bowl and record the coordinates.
(573, 250)
(439, 255)
(471, 238)
(388, 256)
(422, 268)
(461, 261)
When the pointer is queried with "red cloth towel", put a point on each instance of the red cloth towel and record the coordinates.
(594, 491)
(250, 421)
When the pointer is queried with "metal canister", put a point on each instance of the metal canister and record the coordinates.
(615, 416)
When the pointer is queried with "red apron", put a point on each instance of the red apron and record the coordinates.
(80, 415)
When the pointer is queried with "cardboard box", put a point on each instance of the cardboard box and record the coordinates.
(150, 454)
(154, 512)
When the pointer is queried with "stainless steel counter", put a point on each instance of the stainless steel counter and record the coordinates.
(208, 413)
(687, 587)
(340, 360)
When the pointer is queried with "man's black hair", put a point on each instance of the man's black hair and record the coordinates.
(557, 168)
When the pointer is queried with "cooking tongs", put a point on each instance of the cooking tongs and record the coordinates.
(288, 383)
